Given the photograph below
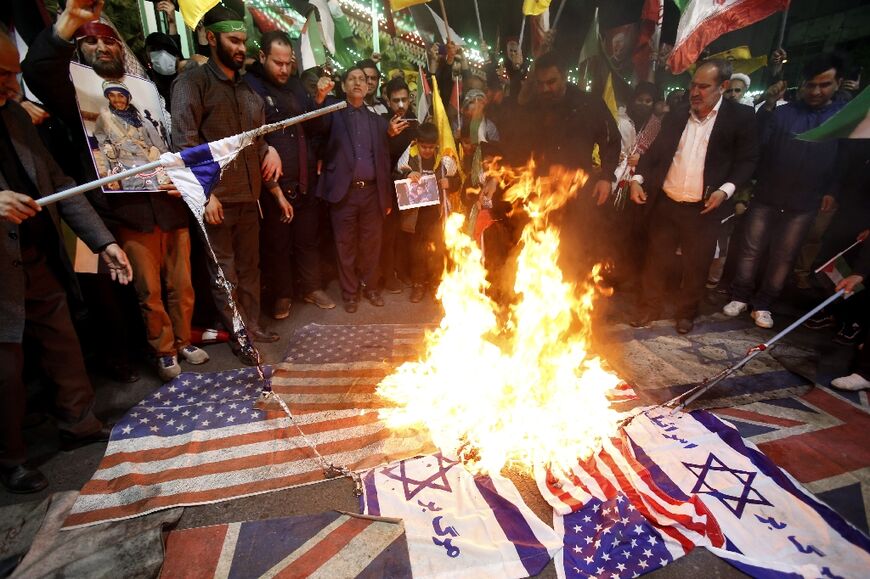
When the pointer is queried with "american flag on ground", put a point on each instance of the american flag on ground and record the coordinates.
(200, 439)
(696, 482)
(331, 544)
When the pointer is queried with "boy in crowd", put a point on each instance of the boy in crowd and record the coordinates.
(424, 223)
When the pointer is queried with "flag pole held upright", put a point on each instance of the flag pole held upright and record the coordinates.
(690, 396)
(73, 191)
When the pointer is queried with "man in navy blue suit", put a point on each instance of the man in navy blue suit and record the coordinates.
(356, 183)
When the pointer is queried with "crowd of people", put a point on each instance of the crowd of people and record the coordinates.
(701, 179)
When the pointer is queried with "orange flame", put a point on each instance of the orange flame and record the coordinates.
(514, 385)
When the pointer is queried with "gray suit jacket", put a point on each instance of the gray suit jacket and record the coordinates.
(76, 212)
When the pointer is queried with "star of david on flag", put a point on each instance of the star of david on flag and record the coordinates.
(691, 480)
(458, 524)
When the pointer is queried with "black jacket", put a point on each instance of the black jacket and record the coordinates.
(282, 102)
(46, 71)
(732, 151)
(566, 133)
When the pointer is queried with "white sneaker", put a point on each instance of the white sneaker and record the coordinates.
(734, 308)
(192, 354)
(762, 318)
(168, 368)
(853, 382)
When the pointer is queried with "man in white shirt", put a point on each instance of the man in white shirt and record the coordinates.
(698, 160)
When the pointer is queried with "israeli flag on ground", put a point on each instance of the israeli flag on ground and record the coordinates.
(197, 170)
(458, 524)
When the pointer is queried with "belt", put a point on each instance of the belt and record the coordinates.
(362, 184)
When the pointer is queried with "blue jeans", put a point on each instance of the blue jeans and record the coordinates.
(781, 233)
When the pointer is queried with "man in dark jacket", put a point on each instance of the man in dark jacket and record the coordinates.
(209, 103)
(356, 182)
(794, 183)
(36, 274)
(698, 160)
(290, 233)
(151, 227)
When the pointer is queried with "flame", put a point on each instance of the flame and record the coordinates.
(510, 385)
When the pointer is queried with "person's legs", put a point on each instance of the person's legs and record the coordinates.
(145, 251)
(387, 260)
(220, 237)
(14, 405)
(275, 249)
(787, 234)
(662, 243)
(49, 325)
(756, 224)
(304, 232)
(246, 250)
(343, 216)
(369, 233)
(698, 235)
(179, 289)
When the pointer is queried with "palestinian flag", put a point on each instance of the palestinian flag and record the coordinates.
(311, 44)
(850, 122)
(703, 21)
(837, 271)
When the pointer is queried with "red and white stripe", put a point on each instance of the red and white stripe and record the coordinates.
(703, 21)
(334, 405)
(615, 470)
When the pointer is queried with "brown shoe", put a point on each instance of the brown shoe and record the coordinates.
(319, 299)
(417, 292)
(281, 309)
(374, 298)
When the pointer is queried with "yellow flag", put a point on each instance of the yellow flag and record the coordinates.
(193, 10)
(397, 5)
(741, 59)
(609, 96)
(446, 143)
(535, 7)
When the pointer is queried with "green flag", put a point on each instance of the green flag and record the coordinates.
(850, 122)
(681, 4)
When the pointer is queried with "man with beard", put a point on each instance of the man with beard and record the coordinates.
(126, 140)
(151, 227)
(209, 103)
(356, 183)
(697, 161)
(562, 125)
(290, 234)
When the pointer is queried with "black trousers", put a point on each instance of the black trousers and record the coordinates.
(357, 224)
(678, 225)
(48, 327)
(426, 246)
(290, 252)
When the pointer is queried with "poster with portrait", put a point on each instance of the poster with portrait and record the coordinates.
(420, 194)
(124, 125)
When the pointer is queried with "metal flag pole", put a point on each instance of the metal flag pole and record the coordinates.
(479, 26)
(376, 38)
(522, 33)
(253, 133)
(690, 396)
(836, 257)
(558, 14)
(446, 25)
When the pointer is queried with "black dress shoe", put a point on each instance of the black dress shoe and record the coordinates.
(374, 298)
(351, 305)
(70, 441)
(22, 479)
(685, 325)
(644, 320)
(267, 336)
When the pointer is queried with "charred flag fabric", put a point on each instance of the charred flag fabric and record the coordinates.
(670, 483)
(458, 524)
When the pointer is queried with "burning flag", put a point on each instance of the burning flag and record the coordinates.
(502, 384)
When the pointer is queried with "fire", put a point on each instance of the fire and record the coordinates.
(513, 384)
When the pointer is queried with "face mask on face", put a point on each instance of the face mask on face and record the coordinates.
(163, 62)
